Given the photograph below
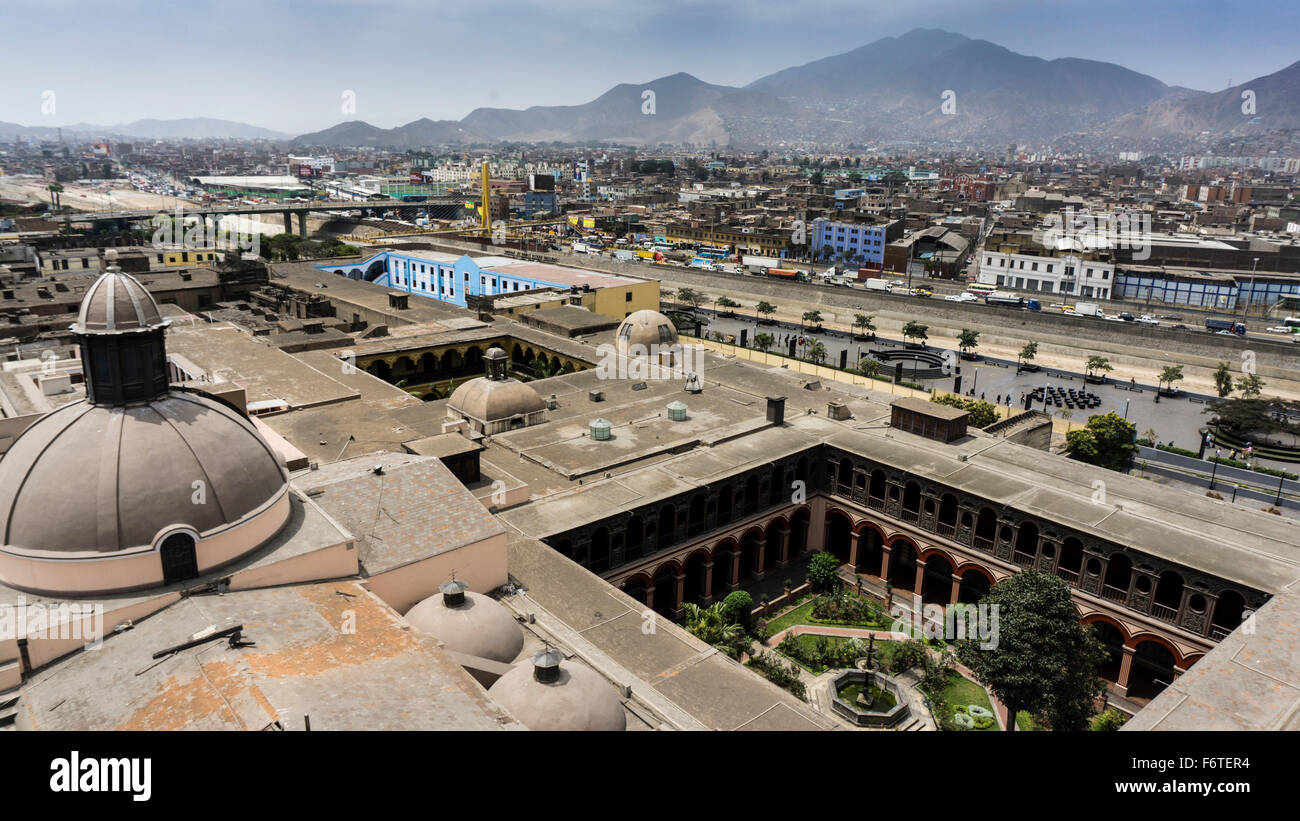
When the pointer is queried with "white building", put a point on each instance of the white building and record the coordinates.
(1070, 275)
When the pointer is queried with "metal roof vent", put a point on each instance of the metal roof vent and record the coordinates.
(677, 411)
(600, 429)
(453, 593)
(693, 383)
(546, 665)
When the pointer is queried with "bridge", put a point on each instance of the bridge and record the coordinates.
(288, 209)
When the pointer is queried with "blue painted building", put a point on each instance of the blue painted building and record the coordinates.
(536, 202)
(855, 242)
(441, 276)
(1221, 290)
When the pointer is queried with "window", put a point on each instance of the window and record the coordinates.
(627, 297)
(1034, 267)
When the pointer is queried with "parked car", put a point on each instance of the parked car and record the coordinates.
(1148, 319)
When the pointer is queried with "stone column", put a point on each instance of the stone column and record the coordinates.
(884, 562)
(759, 573)
(681, 595)
(288, 222)
(707, 598)
(650, 597)
(734, 581)
(853, 551)
(785, 548)
(919, 585)
(302, 224)
(956, 589)
(1125, 668)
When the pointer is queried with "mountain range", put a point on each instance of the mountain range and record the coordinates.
(197, 128)
(926, 85)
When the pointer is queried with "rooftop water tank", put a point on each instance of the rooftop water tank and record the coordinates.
(677, 411)
(600, 429)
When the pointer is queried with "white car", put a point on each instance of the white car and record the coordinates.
(1148, 319)
(953, 298)
(1279, 329)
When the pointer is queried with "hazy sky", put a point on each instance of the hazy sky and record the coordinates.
(284, 64)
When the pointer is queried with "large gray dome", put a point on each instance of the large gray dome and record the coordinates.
(477, 625)
(97, 479)
(578, 699)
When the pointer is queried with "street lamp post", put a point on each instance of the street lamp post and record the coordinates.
(1126, 401)
(1245, 307)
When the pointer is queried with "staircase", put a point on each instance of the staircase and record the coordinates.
(9, 709)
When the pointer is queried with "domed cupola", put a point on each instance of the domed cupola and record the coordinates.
(140, 484)
(120, 333)
(550, 695)
(496, 402)
(469, 623)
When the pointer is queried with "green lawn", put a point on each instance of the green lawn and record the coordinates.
(961, 690)
(799, 615)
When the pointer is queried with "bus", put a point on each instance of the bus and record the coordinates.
(980, 289)
(1292, 322)
(715, 252)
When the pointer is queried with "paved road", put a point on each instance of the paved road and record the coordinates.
(1176, 420)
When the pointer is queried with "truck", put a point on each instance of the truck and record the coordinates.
(625, 256)
(878, 285)
(703, 263)
(1088, 309)
(759, 265)
(1008, 301)
(787, 273)
(1216, 325)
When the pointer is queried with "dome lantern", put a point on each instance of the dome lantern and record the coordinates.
(120, 333)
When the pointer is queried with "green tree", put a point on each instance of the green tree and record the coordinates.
(691, 297)
(967, 340)
(712, 626)
(1044, 660)
(823, 571)
(1106, 441)
(1170, 375)
(864, 321)
(1250, 386)
(1096, 365)
(1027, 354)
(1223, 379)
(816, 351)
(817, 178)
(813, 318)
(725, 302)
(765, 309)
(737, 607)
(915, 330)
(981, 413)
(763, 342)
(868, 367)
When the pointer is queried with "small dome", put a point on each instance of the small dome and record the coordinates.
(117, 303)
(469, 623)
(494, 400)
(645, 328)
(548, 694)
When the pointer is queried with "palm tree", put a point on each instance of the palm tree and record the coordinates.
(55, 189)
(710, 626)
